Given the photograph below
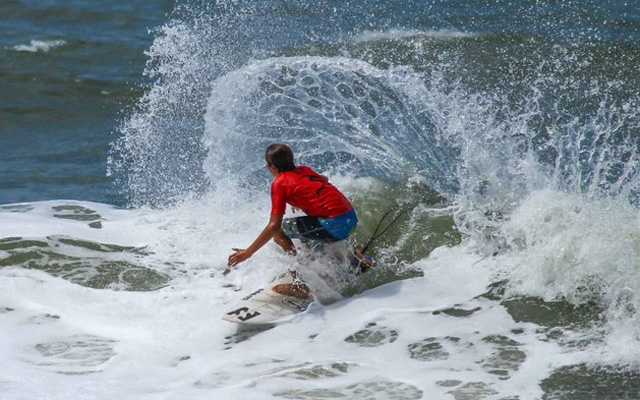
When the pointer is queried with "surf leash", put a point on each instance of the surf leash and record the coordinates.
(376, 235)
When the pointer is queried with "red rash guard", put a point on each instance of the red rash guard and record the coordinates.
(309, 191)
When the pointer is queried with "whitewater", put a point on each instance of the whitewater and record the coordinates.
(426, 336)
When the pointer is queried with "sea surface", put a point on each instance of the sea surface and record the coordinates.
(491, 148)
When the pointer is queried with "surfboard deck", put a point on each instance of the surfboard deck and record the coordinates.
(265, 307)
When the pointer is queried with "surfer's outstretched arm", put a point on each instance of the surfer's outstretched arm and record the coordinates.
(272, 230)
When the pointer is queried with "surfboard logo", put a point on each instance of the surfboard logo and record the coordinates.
(243, 313)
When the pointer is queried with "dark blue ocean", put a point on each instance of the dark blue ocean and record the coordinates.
(68, 71)
(502, 137)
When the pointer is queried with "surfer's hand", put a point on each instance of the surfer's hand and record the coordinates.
(238, 256)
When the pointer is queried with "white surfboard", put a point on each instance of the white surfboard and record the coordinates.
(264, 307)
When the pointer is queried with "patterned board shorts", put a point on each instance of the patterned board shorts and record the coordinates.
(321, 229)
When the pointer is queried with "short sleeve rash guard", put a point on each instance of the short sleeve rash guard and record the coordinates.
(309, 191)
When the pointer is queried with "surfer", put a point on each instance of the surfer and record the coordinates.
(330, 217)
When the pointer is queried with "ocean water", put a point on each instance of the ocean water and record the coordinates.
(503, 136)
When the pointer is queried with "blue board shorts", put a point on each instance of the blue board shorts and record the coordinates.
(321, 229)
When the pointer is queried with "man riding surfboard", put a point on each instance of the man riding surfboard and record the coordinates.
(330, 217)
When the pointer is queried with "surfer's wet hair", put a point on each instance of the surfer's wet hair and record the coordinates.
(280, 156)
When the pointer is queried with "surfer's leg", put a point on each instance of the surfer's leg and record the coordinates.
(285, 242)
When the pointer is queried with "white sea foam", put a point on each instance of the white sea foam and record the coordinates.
(64, 340)
(39, 45)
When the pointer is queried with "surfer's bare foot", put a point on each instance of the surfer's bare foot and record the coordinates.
(296, 289)
(362, 260)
